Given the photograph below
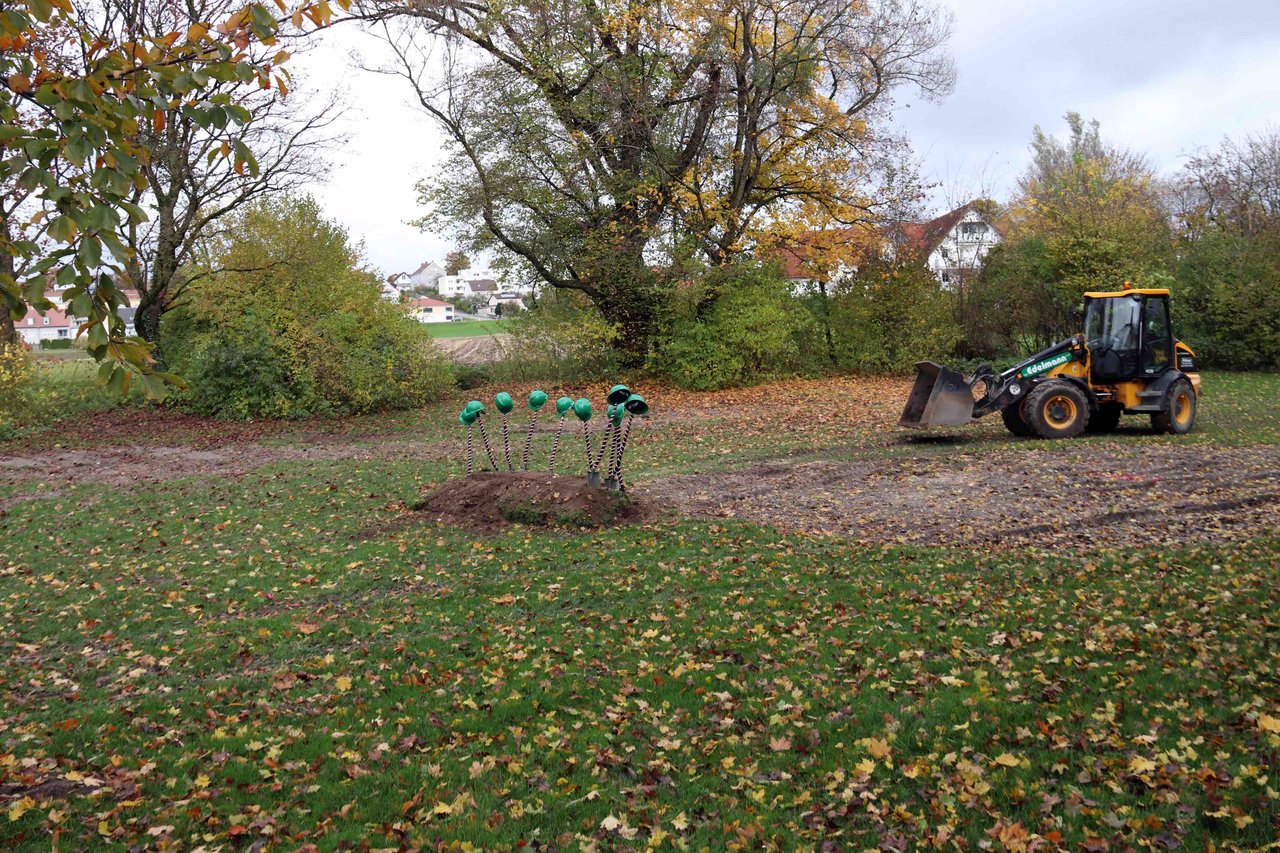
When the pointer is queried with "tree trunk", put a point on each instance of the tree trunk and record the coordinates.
(628, 295)
(8, 334)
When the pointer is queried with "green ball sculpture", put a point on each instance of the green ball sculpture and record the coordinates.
(537, 400)
(503, 402)
(582, 408)
(475, 406)
(563, 405)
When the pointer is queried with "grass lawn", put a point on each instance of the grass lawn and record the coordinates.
(466, 328)
(286, 659)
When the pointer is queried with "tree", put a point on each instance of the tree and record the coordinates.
(455, 262)
(599, 143)
(1095, 206)
(1227, 205)
(1234, 188)
(73, 98)
(189, 188)
(289, 322)
(1087, 216)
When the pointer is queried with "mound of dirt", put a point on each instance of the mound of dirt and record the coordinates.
(497, 498)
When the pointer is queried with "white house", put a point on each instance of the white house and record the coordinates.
(952, 245)
(426, 275)
(55, 324)
(957, 243)
(427, 310)
(504, 302)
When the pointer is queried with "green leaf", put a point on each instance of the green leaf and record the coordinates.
(90, 254)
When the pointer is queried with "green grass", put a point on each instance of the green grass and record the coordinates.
(64, 387)
(466, 328)
(288, 658)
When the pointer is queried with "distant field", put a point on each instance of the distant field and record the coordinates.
(466, 328)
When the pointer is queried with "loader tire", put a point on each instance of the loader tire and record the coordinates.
(1014, 421)
(1105, 419)
(1057, 409)
(1179, 414)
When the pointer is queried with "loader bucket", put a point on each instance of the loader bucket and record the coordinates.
(940, 397)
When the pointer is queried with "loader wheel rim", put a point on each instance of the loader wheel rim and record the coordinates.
(1060, 411)
(1182, 408)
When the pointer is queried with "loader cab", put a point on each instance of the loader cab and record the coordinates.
(1129, 334)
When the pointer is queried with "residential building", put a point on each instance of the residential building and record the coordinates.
(428, 274)
(504, 302)
(955, 243)
(53, 325)
(427, 310)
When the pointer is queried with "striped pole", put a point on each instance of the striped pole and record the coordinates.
(506, 443)
(528, 440)
(604, 441)
(615, 473)
(471, 451)
(615, 453)
(635, 405)
(555, 444)
(484, 436)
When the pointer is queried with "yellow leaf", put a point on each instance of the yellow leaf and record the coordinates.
(681, 822)
(878, 748)
(1139, 764)
(21, 807)
(1268, 723)
(442, 809)
(343, 682)
(1007, 759)
(610, 823)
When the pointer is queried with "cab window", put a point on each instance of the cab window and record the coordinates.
(1156, 344)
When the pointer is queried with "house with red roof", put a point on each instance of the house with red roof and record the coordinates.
(952, 245)
(427, 310)
(54, 324)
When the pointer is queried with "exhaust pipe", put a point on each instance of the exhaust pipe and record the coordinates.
(940, 397)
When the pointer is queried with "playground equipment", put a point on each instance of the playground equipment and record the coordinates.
(477, 409)
(563, 405)
(582, 409)
(468, 419)
(504, 404)
(635, 406)
(622, 407)
(537, 400)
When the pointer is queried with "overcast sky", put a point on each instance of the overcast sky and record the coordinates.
(1162, 76)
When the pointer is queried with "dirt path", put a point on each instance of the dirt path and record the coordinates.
(1055, 497)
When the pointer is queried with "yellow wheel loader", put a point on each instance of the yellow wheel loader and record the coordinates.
(1125, 362)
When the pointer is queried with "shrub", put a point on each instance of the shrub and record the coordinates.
(17, 382)
(56, 344)
(888, 316)
(738, 324)
(1226, 300)
(299, 329)
(561, 338)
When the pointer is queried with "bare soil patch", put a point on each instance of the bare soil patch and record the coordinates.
(1055, 498)
(479, 349)
(126, 465)
(491, 499)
